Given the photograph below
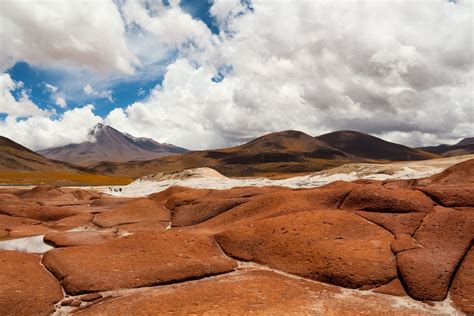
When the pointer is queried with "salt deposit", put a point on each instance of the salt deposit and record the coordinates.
(33, 244)
(211, 179)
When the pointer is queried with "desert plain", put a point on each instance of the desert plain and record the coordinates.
(365, 246)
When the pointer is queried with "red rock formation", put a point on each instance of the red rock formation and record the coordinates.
(462, 292)
(331, 246)
(139, 210)
(444, 237)
(250, 293)
(380, 199)
(141, 259)
(26, 288)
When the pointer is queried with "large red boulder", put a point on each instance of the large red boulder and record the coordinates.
(20, 227)
(462, 288)
(139, 210)
(79, 238)
(255, 292)
(451, 196)
(379, 199)
(34, 211)
(26, 288)
(396, 223)
(141, 259)
(444, 237)
(280, 202)
(332, 246)
(461, 173)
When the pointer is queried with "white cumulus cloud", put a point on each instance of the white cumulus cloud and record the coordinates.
(61, 102)
(21, 107)
(398, 69)
(50, 88)
(389, 68)
(80, 33)
(88, 89)
(41, 132)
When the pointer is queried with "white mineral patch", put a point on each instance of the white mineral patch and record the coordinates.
(33, 244)
(211, 179)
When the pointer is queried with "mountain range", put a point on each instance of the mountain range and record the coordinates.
(465, 146)
(108, 144)
(110, 152)
(20, 165)
(370, 147)
(276, 154)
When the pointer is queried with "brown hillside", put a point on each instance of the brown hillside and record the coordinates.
(370, 147)
(20, 165)
(285, 152)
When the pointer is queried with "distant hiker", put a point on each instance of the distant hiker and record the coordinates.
(120, 189)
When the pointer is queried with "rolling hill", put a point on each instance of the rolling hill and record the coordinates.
(271, 155)
(20, 165)
(108, 144)
(369, 147)
(463, 147)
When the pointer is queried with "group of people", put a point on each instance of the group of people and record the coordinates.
(115, 189)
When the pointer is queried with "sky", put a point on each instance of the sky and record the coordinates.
(215, 73)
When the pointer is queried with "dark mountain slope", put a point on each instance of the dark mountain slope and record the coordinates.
(370, 147)
(273, 154)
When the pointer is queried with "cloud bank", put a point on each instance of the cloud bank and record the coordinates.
(400, 69)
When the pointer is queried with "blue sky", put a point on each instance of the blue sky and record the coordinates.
(124, 90)
(214, 73)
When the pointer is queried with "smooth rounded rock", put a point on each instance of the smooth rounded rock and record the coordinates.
(462, 288)
(444, 238)
(380, 199)
(332, 246)
(256, 293)
(141, 259)
(451, 196)
(140, 210)
(26, 288)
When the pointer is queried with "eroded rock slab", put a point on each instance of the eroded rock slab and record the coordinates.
(140, 210)
(332, 246)
(459, 174)
(280, 202)
(451, 196)
(26, 287)
(395, 288)
(54, 195)
(80, 238)
(396, 223)
(193, 206)
(380, 199)
(22, 227)
(35, 211)
(256, 293)
(462, 289)
(136, 260)
(444, 237)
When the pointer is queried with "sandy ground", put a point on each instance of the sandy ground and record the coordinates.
(211, 179)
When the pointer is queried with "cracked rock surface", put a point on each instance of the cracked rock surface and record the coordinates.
(367, 247)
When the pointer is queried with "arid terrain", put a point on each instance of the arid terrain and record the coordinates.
(274, 155)
(236, 157)
(395, 246)
(21, 166)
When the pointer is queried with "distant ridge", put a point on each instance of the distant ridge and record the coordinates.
(108, 144)
(20, 165)
(370, 147)
(463, 147)
(273, 154)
